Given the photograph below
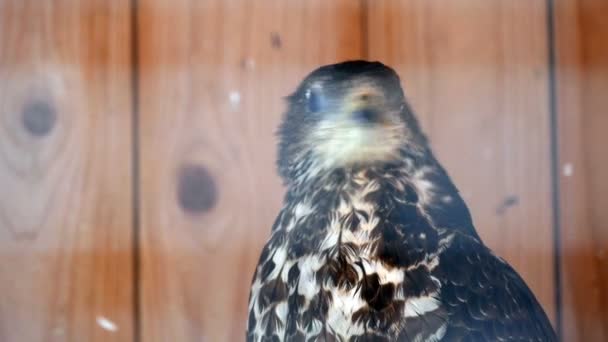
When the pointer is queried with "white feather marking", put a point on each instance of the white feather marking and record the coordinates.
(423, 186)
(368, 249)
(436, 281)
(286, 268)
(385, 274)
(370, 224)
(409, 163)
(290, 225)
(315, 328)
(446, 241)
(418, 306)
(332, 236)
(438, 335)
(432, 260)
(301, 210)
(315, 262)
(399, 293)
(281, 311)
(446, 199)
(339, 316)
(255, 291)
(279, 257)
(359, 237)
(344, 208)
(432, 263)
(307, 286)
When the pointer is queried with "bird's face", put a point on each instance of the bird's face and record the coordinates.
(343, 115)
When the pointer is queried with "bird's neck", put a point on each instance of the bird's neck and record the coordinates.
(307, 177)
(412, 178)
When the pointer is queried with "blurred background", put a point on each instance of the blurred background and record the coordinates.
(137, 149)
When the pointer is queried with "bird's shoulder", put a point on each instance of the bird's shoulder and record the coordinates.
(485, 298)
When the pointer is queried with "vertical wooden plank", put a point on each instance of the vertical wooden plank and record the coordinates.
(582, 81)
(594, 35)
(213, 77)
(476, 73)
(65, 198)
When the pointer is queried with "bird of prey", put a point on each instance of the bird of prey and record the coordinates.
(374, 242)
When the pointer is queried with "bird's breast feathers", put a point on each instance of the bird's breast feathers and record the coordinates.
(329, 268)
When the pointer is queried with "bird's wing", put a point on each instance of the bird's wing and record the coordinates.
(486, 299)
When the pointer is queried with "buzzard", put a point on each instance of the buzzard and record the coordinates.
(374, 242)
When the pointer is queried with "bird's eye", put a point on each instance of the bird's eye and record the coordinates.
(314, 100)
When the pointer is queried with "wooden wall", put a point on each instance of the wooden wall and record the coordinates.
(137, 149)
(213, 75)
(65, 171)
(581, 50)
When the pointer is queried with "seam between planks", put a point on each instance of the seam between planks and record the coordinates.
(135, 169)
(555, 174)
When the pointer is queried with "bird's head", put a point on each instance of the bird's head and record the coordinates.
(351, 114)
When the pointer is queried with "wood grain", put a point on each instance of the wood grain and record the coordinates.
(582, 82)
(213, 75)
(65, 180)
(594, 33)
(476, 74)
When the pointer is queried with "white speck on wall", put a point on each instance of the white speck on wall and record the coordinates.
(106, 324)
(568, 169)
(235, 98)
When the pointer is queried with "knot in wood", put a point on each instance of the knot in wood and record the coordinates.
(196, 189)
(38, 117)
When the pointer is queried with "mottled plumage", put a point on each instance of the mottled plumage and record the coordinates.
(374, 243)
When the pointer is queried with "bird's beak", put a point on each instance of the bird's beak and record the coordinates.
(363, 106)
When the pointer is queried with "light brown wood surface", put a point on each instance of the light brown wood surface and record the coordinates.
(582, 84)
(594, 36)
(476, 74)
(65, 180)
(213, 75)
